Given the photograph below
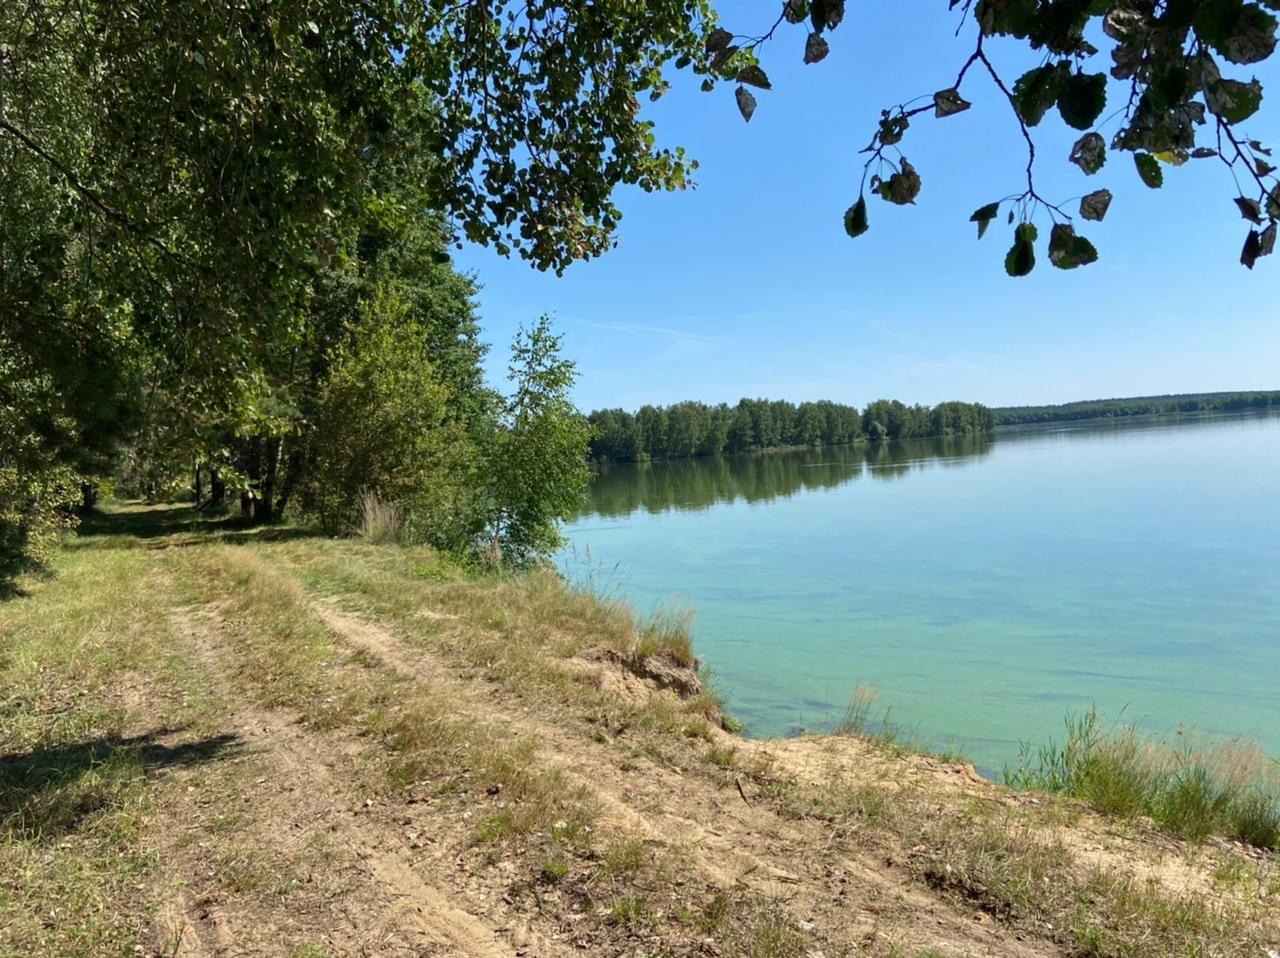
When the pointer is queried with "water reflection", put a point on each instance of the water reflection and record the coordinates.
(692, 485)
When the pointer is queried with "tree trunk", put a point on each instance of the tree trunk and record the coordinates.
(289, 482)
(267, 500)
(249, 505)
(88, 497)
(217, 488)
(197, 487)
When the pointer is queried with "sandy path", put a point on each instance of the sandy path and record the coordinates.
(732, 843)
(369, 892)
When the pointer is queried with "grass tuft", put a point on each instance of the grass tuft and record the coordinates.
(1192, 789)
(380, 522)
(667, 632)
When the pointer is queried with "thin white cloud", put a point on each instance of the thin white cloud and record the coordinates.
(682, 335)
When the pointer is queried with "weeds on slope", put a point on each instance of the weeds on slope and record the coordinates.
(1193, 789)
(526, 631)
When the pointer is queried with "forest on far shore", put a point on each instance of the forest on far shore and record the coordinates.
(697, 429)
(688, 429)
(1138, 406)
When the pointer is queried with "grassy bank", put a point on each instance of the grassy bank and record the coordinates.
(1193, 789)
(215, 737)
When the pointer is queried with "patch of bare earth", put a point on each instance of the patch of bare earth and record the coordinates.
(717, 832)
(274, 853)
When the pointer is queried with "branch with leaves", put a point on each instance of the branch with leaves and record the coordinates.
(1168, 51)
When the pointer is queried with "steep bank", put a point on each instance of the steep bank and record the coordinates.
(222, 742)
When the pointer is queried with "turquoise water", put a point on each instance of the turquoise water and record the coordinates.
(985, 588)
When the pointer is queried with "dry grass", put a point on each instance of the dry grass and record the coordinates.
(73, 787)
(380, 522)
(1011, 864)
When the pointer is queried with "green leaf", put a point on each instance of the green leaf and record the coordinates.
(1267, 241)
(1089, 153)
(949, 102)
(1241, 32)
(717, 40)
(1094, 206)
(983, 216)
(903, 187)
(855, 218)
(1233, 100)
(754, 76)
(1250, 209)
(815, 49)
(746, 102)
(723, 56)
(892, 128)
(1035, 91)
(1252, 249)
(1082, 99)
(818, 15)
(1021, 258)
(796, 10)
(1067, 250)
(1010, 17)
(1149, 170)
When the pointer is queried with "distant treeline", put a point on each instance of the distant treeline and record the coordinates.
(1137, 406)
(696, 429)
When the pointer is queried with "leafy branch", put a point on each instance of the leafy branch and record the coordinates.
(1165, 51)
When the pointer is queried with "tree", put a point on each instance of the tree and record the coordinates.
(535, 471)
(385, 426)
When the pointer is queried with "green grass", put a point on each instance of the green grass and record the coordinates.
(554, 868)
(74, 767)
(667, 632)
(1190, 788)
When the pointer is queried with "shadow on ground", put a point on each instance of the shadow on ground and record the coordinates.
(178, 525)
(48, 791)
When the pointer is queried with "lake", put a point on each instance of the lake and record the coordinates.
(986, 587)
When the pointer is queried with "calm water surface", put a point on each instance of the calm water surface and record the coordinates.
(985, 587)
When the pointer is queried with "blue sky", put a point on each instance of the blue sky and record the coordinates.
(748, 286)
